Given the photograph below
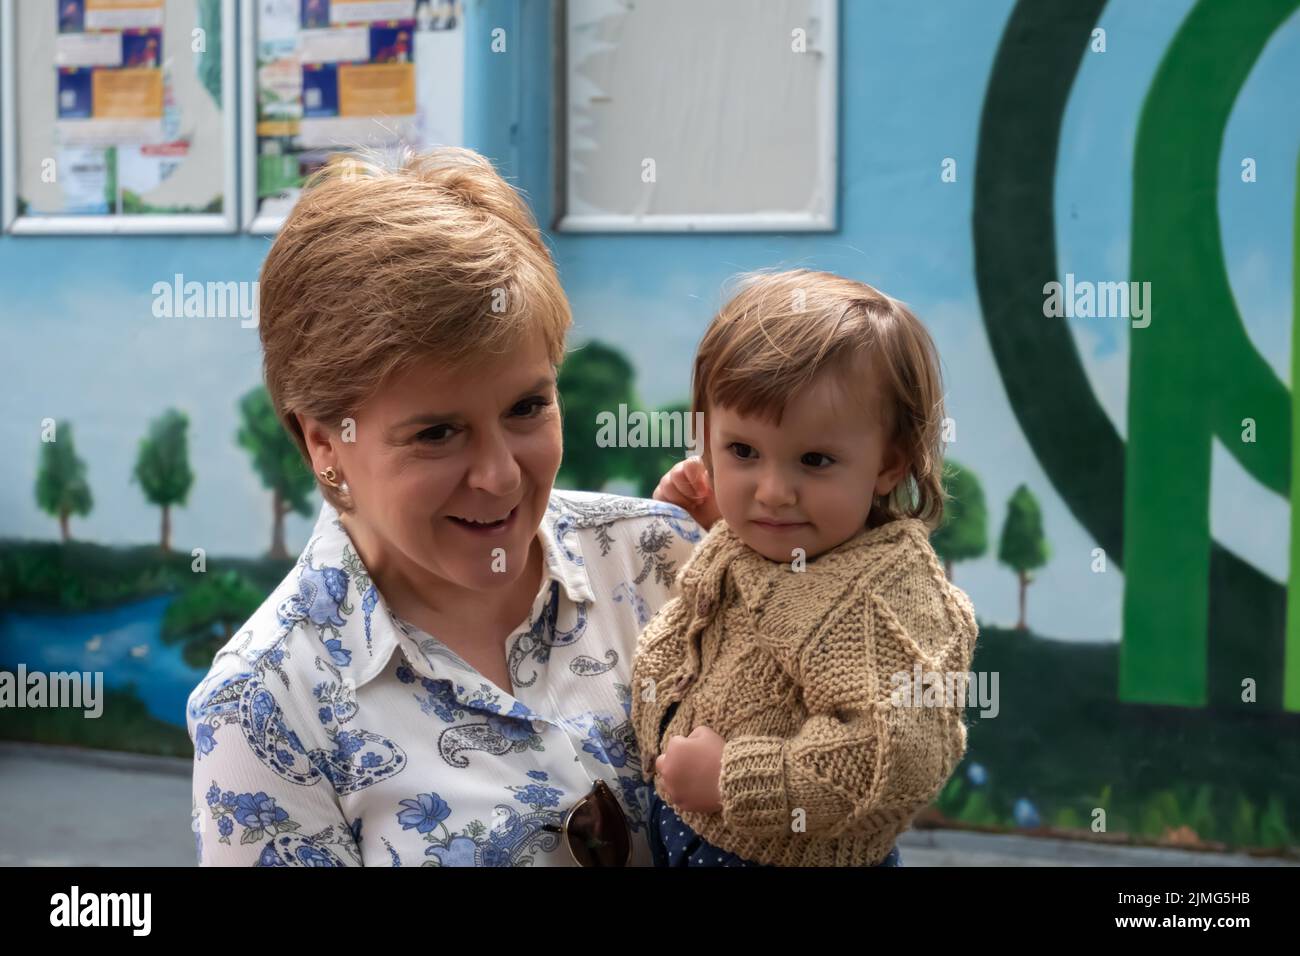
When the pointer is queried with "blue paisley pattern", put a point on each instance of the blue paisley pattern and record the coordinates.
(317, 706)
(514, 838)
(542, 635)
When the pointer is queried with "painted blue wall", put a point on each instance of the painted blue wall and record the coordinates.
(81, 342)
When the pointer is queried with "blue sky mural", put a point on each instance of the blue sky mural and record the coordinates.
(82, 342)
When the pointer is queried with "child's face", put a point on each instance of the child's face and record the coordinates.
(807, 483)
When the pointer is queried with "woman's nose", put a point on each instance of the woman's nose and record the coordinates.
(493, 468)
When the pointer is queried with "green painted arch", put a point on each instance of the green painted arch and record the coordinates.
(1194, 374)
(1015, 256)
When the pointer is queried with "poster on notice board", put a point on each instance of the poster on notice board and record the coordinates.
(119, 119)
(330, 76)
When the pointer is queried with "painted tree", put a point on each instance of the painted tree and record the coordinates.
(61, 488)
(594, 379)
(964, 532)
(163, 466)
(645, 466)
(1023, 547)
(277, 461)
(204, 617)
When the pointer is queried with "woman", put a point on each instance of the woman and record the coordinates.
(444, 676)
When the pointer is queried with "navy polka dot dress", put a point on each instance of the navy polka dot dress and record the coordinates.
(673, 843)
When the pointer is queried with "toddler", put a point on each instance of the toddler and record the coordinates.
(771, 700)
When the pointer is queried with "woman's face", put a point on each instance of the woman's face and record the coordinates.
(435, 451)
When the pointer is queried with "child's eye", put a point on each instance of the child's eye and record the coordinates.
(739, 449)
(816, 454)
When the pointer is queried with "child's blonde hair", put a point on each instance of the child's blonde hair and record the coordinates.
(783, 329)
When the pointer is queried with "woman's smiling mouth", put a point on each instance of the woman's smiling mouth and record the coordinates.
(486, 526)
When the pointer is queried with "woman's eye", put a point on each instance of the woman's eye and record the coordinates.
(741, 450)
(530, 407)
(827, 459)
(435, 435)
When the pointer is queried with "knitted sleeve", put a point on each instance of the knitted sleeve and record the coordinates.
(666, 649)
(660, 651)
(866, 747)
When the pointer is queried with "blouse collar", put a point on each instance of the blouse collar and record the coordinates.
(356, 627)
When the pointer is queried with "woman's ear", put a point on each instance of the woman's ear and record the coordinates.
(319, 441)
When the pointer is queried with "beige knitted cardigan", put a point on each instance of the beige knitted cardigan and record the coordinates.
(794, 669)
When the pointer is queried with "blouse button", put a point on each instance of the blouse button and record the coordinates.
(539, 726)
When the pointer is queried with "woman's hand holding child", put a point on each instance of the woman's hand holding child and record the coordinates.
(687, 485)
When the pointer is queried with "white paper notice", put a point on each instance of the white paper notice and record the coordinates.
(277, 20)
(123, 14)
(142, 169)
(440, 85)
(366, 11)
(88, 49)
(326, 131)
(83, 173)
(108, 132)
(344, 44)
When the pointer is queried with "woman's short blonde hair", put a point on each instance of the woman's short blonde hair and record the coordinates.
(389, 259)
(783, 329)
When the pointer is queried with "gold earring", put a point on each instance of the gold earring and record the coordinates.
(329, 476)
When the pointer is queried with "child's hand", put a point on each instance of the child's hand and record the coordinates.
(687, 485)
(690, 771)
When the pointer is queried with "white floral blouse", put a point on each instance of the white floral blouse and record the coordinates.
(328, 732)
